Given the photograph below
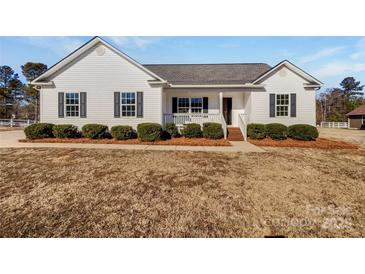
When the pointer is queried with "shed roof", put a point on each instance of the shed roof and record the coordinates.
(357, 111)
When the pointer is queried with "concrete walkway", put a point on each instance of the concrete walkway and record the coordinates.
(9, 139)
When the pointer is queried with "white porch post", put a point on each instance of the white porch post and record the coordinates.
(221, 102)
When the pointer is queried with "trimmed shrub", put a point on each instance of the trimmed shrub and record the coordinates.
(65, 131)
(192, 131)
(149, 132)
(40, 130)
(276, 131)
(212, 131)
(122, 132)
(171, 129)
(94, 131)
(303, 132)
(256, 131)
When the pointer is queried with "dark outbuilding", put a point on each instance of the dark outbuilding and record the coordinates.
(356, 118)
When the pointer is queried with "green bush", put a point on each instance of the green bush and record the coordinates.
(256, 131)
(122, 132)
(40, 130)
(213, 131)
(65, 131)
(149, 132)
(192, 131)
(171, 129)
(94, 131)
(276, 131)
(303, 132)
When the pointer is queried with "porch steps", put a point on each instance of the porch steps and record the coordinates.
(234, 134)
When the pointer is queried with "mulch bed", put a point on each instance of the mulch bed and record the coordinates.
(172, 142)
(320, 143)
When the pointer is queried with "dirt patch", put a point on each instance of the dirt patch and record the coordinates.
(320, 143)
(171, 142)
(119, 193)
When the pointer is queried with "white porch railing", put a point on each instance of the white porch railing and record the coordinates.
(15, 122)
(242, 123)
(180, 119)
(335, 124)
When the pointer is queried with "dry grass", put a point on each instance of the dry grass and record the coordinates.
(117, 193)
(320, 143)
(171, 142)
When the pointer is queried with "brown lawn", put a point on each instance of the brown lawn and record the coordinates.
(319, 143)
(115, 193)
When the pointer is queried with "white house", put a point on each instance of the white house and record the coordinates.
(97, 83)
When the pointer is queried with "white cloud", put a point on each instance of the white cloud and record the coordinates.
(360, 46)
(320, 54)
(338, 69)
(133, 41)
(59, 44)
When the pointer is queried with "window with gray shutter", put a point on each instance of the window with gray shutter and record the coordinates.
(83, 105)
(117, 104)
(293, 105)
(174, 104)
(61, 105)
(272, 105)
(205, 104)
(139, 104)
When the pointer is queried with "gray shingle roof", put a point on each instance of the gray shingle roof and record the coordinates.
(205, 74)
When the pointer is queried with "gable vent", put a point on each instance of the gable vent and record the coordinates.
(100, 50)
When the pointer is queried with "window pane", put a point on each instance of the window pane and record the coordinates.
(128, 104)
(72, 104)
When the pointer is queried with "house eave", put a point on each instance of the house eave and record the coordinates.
(42, 83)
(244, 86)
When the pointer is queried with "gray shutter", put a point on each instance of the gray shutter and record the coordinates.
(205, 104)
(139, 104)
(293, 105)
(61, 104)
(116, 104)
(83, 105)
(174, 104)
(272, 105)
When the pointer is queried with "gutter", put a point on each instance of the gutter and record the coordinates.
(218, 86)
(42, 84)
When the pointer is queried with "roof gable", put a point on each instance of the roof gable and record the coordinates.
(84, 48)
(306, 76)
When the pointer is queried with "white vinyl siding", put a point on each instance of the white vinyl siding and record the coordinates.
(284, 82)
(100, 77)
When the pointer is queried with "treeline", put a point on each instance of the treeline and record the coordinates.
(333, 104)
(17, 99)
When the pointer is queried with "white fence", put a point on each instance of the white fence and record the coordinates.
(180, 119)
(335, 124)
(15, 123)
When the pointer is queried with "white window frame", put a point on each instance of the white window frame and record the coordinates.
(68, 104)
(189, 107)
(128, 104)
(282, 105)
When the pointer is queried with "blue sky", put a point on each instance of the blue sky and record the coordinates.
(329, 59)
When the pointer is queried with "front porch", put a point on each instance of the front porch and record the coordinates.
(229, 108)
